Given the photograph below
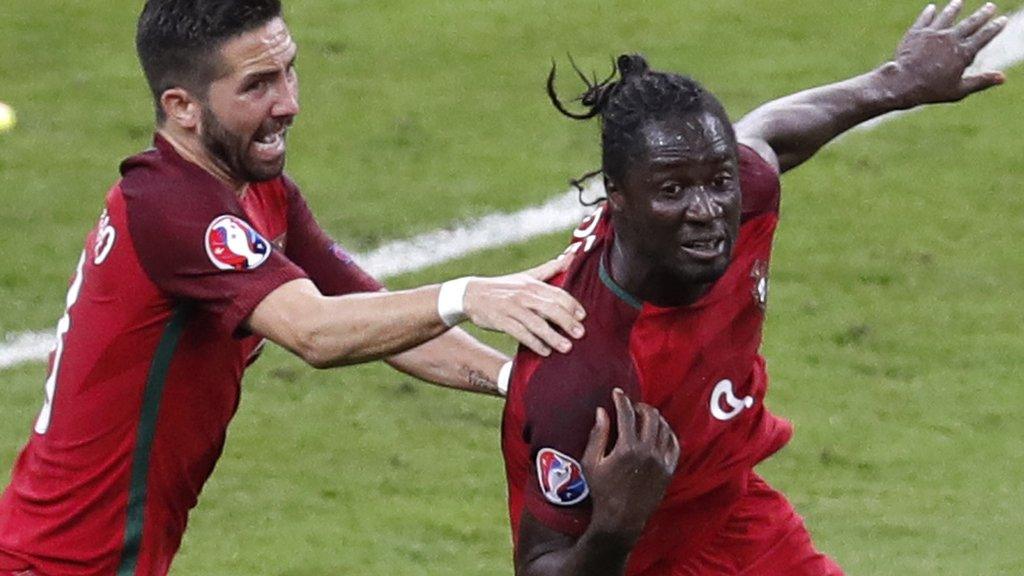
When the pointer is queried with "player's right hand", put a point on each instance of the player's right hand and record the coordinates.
(524, 307)
(628, 483)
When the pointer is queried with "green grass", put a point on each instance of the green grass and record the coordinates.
(893, 339)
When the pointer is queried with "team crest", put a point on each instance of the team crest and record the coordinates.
(759, 272)
(232, 244)
(561, 478)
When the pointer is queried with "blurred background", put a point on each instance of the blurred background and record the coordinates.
(894, 333)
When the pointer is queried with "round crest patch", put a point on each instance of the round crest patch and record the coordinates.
(232, 244)
(561, 478)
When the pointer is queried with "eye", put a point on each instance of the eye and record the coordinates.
(671, 190)
(257, 85)
(722, 181)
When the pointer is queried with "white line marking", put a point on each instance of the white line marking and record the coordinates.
(497, 230)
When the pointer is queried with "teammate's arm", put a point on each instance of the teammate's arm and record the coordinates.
(929, 67)
(455, 360)
(626, 486)
(330, 331)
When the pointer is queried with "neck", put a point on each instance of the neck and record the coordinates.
(192, 150)
(641, 278)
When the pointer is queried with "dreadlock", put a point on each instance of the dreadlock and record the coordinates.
(640, 95)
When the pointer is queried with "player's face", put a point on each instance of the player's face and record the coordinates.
(250, 106)
(681, 198)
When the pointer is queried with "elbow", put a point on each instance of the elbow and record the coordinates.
(316, 349)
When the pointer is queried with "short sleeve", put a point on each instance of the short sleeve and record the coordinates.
(328, 265)
(198, 245)
(760, 184)
(561, 398)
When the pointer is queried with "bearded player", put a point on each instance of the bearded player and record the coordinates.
(672, 269)
(204, 249)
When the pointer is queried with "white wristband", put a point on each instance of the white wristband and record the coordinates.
(504, 375)
(449, 301)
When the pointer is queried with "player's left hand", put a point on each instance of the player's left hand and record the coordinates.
(933, 57)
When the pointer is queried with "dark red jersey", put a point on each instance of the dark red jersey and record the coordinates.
(147, 369)
(698, 364)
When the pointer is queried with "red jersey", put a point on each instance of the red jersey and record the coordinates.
(698, 364)
(146, 373)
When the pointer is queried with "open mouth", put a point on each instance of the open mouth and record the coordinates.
(704, 248)
(269, 145)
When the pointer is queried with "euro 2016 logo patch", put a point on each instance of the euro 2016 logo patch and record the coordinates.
(561, 478)
(232, 244)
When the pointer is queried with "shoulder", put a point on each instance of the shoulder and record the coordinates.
(759, 181)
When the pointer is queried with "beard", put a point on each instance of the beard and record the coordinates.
(231, 151)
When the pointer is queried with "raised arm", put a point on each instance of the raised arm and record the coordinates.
(929, 67)
(626, 486)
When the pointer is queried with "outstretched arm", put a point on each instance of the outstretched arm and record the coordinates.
(929, 67)
(330, 331)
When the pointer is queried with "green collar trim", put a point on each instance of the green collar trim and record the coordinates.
(619, 291)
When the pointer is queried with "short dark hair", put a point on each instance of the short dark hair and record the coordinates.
(626, 105)
(177, 40)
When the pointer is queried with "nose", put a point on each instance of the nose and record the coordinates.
(287, 104)
(703, 207)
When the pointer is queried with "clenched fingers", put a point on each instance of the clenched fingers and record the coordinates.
(597, 444)
(625, 416)
(650, 422)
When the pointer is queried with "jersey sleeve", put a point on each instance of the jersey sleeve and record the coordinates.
(561, 399)
(200, 247)
(760, 184)
(329, 266)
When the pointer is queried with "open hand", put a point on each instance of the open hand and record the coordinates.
(936, 51)
(524, 307)
(627, 484)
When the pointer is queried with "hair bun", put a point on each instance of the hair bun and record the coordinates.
(632, 65)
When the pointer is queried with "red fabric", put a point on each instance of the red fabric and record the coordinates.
(64, 512)
(677, 359)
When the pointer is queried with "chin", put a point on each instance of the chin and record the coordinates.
(695, 272)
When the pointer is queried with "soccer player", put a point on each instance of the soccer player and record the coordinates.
(205, 249)
(673, 270)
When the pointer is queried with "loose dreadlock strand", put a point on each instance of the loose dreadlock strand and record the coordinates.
(595, 97)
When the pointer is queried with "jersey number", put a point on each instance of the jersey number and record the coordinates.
(43, 422)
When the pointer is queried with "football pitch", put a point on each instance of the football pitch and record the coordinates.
(894, 339)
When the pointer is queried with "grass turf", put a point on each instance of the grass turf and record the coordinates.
(893, 336)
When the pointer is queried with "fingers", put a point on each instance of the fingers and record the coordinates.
(524, 336)
(597, 444)
(549, 268)
(558, 307)
(538, 326)
(975, 21)
(626, 417)
(650, 422)
(948, 15)
(672, 449)
(926, 17)
(988, 33)
(971, 84)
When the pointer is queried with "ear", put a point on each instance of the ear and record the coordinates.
(616, 199)
(181, 108)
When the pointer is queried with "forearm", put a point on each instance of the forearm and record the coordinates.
(593, 554)
(330, 331)
(797, 126)
(454, 360)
